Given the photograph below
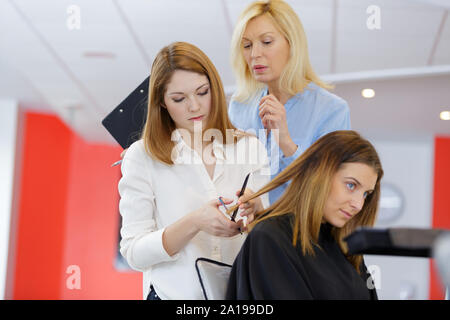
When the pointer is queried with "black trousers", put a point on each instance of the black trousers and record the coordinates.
(152, 295)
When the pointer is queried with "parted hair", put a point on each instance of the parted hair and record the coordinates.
(310, 177)
(297, 73)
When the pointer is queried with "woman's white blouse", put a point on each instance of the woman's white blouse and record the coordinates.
(153, 195)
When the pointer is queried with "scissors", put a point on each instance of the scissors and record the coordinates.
(233, 216)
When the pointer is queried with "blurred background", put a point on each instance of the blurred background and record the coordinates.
(64, 65)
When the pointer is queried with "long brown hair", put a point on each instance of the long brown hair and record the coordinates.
(159, 125)
(310, 178)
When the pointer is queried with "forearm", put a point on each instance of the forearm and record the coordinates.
(178, 234)
(288, 147)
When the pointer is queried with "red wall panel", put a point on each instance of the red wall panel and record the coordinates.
(68, 216)
(441, 205)
(92, 225)
(39, 244)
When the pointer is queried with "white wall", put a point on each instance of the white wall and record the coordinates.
(8, 126)
(409, 166)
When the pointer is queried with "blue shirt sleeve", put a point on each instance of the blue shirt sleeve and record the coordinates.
(285, 161)
(334, 116)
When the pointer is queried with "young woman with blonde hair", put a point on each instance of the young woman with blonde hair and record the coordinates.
(295, 249)
(277, 89)
(189, 155)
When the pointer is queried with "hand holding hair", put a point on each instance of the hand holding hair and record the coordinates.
(273, 115)
(249, 207)
(211, 220)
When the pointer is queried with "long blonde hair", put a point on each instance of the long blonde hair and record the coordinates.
(298, 71)
(159, 125)
(310, 178)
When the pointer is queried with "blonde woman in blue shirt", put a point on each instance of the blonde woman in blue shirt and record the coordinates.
(279, 97)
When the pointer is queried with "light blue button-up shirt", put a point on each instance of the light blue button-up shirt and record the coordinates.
(310, 115)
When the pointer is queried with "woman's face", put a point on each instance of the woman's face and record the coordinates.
(350, 186)
(266, 50)
(188, 99)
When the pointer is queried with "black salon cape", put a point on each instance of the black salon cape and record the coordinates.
(270, 267)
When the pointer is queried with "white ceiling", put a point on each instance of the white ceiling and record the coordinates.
(43, 63)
